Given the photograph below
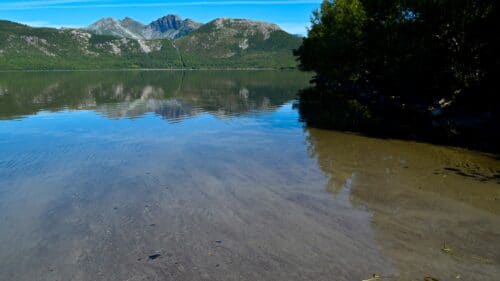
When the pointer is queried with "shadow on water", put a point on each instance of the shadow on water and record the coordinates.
(426, 200)
(423, 207)
(384, 118)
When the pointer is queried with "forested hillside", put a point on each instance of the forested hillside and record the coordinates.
(230, 44)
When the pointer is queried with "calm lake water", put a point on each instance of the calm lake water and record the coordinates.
(211, 176)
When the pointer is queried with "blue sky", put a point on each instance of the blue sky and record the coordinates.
(291, 15)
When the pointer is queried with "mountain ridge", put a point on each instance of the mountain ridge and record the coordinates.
(220, 43)
(170, 27)
(167, 27)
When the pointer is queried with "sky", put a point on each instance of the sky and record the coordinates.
(292, 15)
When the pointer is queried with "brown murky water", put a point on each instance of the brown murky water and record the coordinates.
(211, 176)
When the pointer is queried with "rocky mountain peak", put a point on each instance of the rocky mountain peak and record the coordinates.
(131, 21)
(125, 19)
(127, 28)
(132, 25)
(171, 27)
(166, 23)
(104, 22)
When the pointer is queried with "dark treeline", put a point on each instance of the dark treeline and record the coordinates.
(423, 69)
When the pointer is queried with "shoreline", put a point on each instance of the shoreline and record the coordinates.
(149, 69)
(388, 121)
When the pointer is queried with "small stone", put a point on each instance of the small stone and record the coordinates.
(155, 256)
(218, 241)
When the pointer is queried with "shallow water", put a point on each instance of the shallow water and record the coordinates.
(214, 172)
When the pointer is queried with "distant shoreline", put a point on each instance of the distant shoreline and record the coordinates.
(148, 69)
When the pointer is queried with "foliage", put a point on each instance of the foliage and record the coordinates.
(333, 46)
(434, 62)
(23, 47)
(416, 51)
(214, 46)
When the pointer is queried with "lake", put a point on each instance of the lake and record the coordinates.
(211, 175)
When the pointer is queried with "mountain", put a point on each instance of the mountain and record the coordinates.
(171, 27)
(127, 28)
(24, 47)
(167, 27)
(235, 41)
(221, 43)
(132, 25)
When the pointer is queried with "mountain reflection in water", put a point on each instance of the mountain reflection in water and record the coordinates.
(171, 94)
(213, 175)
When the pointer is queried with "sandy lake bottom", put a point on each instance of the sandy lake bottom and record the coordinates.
(211, 176)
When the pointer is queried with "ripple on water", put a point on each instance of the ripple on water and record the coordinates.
(214, 176)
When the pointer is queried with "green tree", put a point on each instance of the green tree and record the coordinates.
(419, 51)
(424, 63)
(332, 47)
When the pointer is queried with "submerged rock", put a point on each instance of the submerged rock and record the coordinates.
(155, 256)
